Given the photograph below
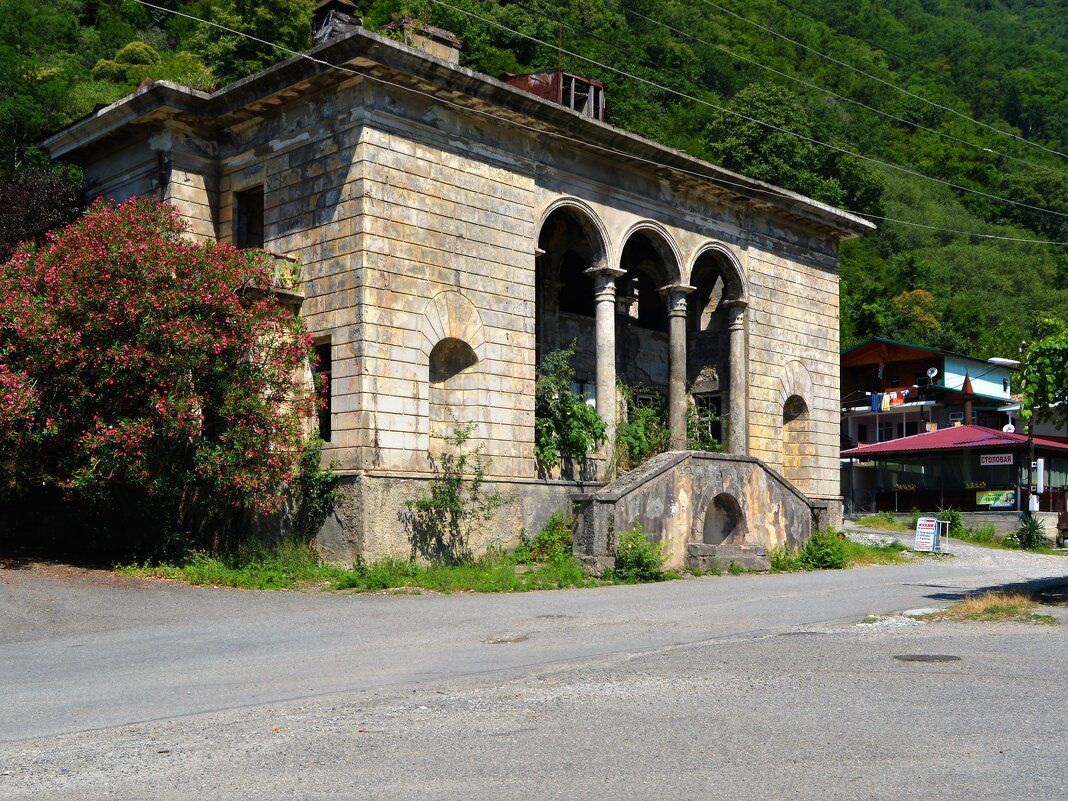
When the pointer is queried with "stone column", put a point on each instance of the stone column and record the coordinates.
(604, 295)
(738, 396)
(677, 402)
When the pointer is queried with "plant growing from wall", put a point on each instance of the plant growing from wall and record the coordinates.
(315, 491)
(698, 436)
(454, 505)
(138, 365)
(564, 424)
(644, 433)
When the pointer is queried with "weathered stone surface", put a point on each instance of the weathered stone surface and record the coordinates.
(686, 500)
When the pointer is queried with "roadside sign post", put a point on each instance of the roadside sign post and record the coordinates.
(931, 535)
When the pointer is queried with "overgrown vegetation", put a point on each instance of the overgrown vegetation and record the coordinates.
(1029, 535)
(454, 505)
(637, 559)
(565, 425)
(955, 519)
(995, 607)
(886, 521)
(644, 433)
(828, 549)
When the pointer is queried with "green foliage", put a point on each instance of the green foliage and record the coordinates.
(125, 377)
(637, 559)
(698, 437)
(230, 56)
(294, 564)
(643, 434)
(454, 505)
(736, 569)
(1043, 376)
(914, 517)
(983, 534)
(553, 544)
(1030, 534)
(825, 550)
(564, 424)
(954, 518)
(782, 561)
(315, 491)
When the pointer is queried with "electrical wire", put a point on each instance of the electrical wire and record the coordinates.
(719, 180)
(816, 87)
(803, 137)
(883, 81)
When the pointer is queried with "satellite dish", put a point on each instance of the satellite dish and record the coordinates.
(1009, 428)
(932, 372)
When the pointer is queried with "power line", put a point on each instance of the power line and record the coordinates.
(771, 191)
(883, 81)
(812, 140)
(817, 87)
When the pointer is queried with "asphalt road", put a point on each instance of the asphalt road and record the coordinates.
(722, 687)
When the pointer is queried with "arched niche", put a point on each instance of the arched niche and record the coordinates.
(724, 521)
(796, 442)
(455, 388)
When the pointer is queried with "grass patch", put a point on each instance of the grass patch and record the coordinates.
(893, 553)
(829, 550)
(995, 607)
(289, 565)
(885, 521)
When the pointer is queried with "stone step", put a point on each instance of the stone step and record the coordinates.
(704, 557)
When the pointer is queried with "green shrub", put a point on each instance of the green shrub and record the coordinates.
(914, 517)
(782, 561)
(644, 433)
(442, 520)
(553, 544)
(825, 549)
(1031, 533)
(736, 569)
(954, 518)
(983, 534)
(564, 424)
(637, 559)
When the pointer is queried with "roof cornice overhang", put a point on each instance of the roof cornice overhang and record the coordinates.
(372, 56)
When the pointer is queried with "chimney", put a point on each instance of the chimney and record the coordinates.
(333, 18)
(583, 95)
(436, 42)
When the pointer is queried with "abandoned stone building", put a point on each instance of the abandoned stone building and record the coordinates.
(454, 228)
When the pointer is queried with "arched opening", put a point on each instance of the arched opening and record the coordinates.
(455, 391)
(569, 245)
(716, 284)
(642, 346)
(796, 442)
(724, 521)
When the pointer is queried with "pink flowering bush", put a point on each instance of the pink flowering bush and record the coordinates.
(134, 359)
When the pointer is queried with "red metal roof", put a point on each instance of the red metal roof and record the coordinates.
(954, 438)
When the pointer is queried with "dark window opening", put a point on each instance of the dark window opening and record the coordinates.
(576, 286)
(708, 418)
(862, 432)
(323, 381)
(248, 218)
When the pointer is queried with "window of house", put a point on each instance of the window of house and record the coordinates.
(248, 218)
(886, 431)
(862, 432)
(893, 381)
(708, 417)
(324, 383)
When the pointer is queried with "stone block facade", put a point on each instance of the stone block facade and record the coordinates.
(454, 229)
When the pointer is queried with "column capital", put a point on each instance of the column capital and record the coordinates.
(676, 298)
(610, 272)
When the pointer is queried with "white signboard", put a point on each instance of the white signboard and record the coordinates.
(992, 459)
(926, 534)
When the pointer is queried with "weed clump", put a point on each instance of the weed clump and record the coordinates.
(637, 560)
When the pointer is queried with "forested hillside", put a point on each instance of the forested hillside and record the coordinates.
(900, 106)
